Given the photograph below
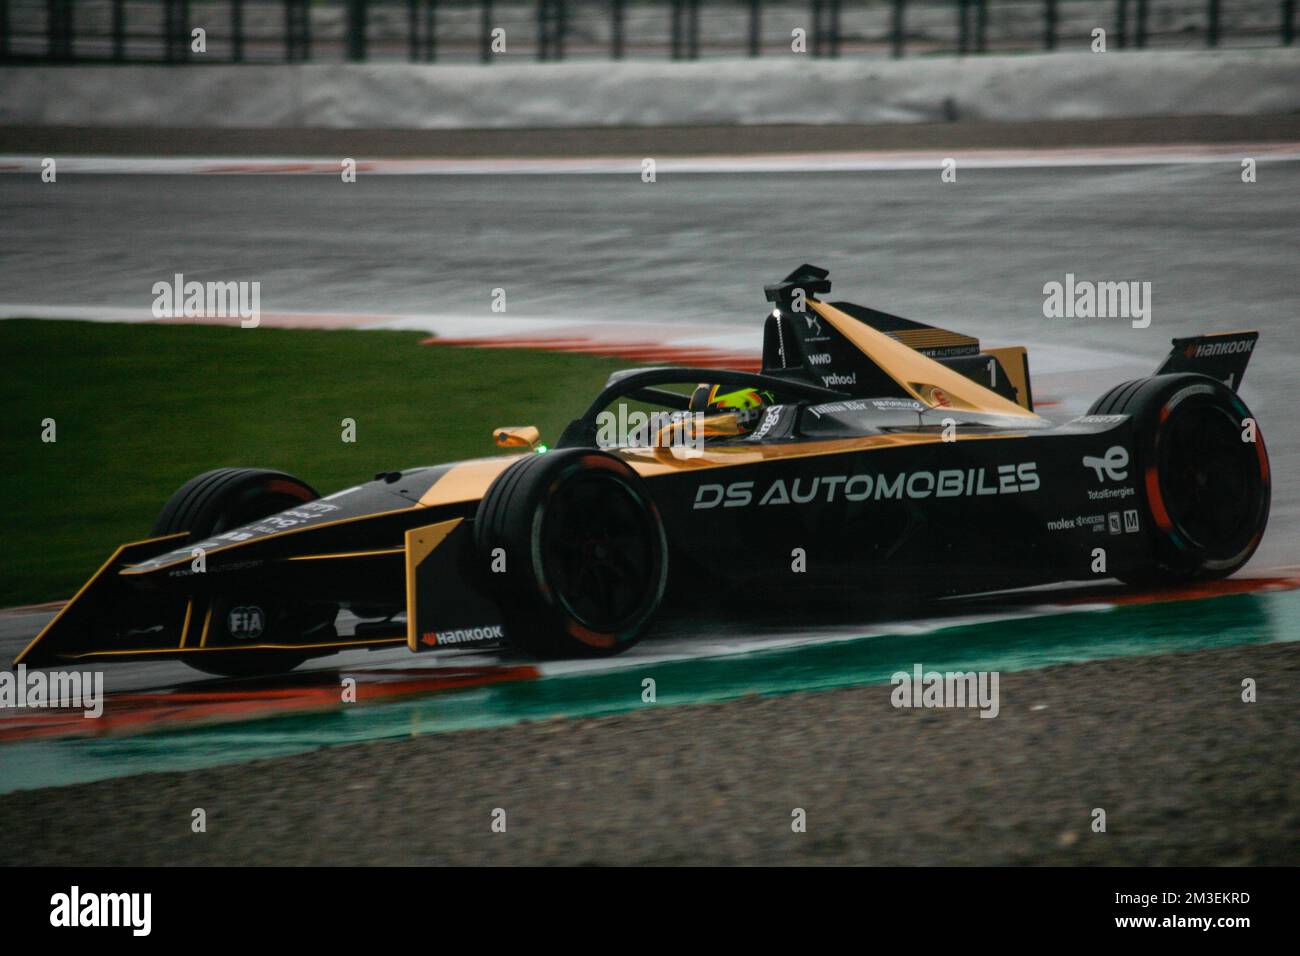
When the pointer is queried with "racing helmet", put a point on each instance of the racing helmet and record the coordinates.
(744, 403)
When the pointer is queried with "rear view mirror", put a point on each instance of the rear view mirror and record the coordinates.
(517, 436)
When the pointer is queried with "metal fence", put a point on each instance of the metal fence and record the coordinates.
(426, 31)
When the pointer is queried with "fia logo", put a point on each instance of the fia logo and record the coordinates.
(246, 623)
(1114, 466)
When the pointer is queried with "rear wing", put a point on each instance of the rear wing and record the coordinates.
(852, 348)
(1220, 355)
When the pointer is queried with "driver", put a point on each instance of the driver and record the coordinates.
(744, 404)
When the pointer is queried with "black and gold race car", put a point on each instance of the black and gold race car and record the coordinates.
(871, 453)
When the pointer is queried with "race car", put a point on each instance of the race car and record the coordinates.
(871, 453)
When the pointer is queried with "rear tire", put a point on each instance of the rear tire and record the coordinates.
(585, 551)
(226, 498)
(1206, 489)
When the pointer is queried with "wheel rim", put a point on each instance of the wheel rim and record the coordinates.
(1210, 479)
(600, 550)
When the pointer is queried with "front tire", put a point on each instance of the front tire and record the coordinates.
(1206, 488)
(226, 498)
(586, 557)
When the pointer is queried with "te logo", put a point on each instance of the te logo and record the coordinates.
(1113, 466)
(246, 623)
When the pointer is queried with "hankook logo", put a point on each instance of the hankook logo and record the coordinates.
(1211, 349)
(468, 635)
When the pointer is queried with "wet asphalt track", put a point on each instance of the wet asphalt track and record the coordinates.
(1164, 745)
(689, 248)
(973, 256)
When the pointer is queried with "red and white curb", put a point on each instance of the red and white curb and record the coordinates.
(647, 351)
(732, 345)
(1058, 369)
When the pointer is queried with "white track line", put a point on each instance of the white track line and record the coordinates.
(876, 161)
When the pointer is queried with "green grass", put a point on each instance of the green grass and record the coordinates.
(139, 409)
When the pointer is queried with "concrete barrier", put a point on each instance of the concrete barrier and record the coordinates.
(775, 90)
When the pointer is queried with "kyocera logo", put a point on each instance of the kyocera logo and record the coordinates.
(948, 483)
